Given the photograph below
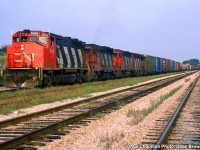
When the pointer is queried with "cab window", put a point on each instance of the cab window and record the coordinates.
(115, 54)
(16, 39)
(94, 52)
(32, 38)
(87, 51)
(43, 39)
(24, 39)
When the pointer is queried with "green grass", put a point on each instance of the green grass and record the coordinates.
(37, 96)
(139, 115)
(2, 58)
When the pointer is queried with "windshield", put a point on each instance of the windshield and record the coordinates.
(86, 51)
(33, 38)
(115, 54)
(42, 39)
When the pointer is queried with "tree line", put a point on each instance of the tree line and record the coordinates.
(192, 61)
(3, 48)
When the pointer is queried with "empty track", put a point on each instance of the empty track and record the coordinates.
(180, 126)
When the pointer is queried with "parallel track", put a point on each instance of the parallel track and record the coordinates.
(14, 132)
(160, 136)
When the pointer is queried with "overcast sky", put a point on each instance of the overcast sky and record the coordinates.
(163, 28)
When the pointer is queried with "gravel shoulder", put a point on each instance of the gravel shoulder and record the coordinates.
(115, 129)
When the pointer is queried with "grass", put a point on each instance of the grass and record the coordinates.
(186, 80)
(139, 115)
(99, 115)
(108, 140)
(2, 58)
(31, 97)
(120, 103)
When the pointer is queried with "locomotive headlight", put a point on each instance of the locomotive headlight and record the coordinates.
(22, 47)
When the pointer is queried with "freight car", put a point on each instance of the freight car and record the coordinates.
(151, 64)
(184, 67)
(37, 58)
(159, 65)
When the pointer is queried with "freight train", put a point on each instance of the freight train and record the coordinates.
(37, 58)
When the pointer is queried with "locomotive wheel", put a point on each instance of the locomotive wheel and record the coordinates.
(48, 81)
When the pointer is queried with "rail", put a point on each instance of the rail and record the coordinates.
(166, 131)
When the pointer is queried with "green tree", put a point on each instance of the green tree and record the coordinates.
(192, 62)
(3, 48)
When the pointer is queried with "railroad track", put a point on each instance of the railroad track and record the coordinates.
(40, 127)
(179, 128)
(25, 98)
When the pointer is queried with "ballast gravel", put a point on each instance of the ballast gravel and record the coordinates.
(115, 131)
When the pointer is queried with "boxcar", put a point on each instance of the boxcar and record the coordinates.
(185, 67)
(158, 64)
(165, 65)
(171, 65)
(177, 66)
(151, 67)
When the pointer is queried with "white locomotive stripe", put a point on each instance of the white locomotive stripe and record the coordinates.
(75, 59)
(60, 57)
(80, 56)
(67, 56)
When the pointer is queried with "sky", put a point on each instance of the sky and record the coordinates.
(162, 28)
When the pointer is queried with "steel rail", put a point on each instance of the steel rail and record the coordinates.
(16, 120)
(33, 134)
(165, 133)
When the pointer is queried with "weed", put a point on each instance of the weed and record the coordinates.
(129, 113)
(122, 135)
(186, 80)
(108, 140)
(99, 116)
(34, 123)
(120, 103)
(84, 123)
(92, 103)
(139, 115)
